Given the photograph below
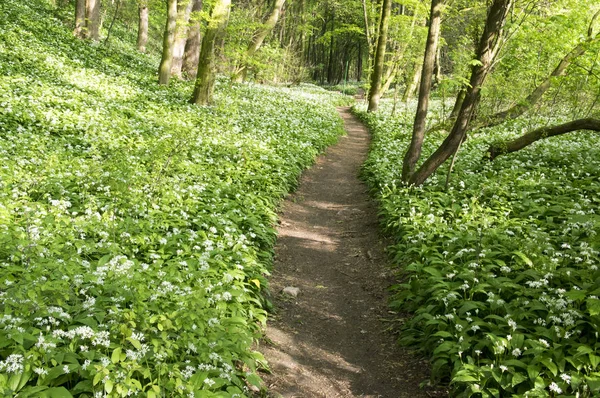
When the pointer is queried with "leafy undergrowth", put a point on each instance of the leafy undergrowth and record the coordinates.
(500, 270)
(135, 228)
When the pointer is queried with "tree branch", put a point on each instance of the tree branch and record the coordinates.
(529, 138)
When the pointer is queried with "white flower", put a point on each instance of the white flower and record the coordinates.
(40, 371)
(516, 352)
(12, 364)
(555, 388)
(503, 368)
(66, 369)
(209, 382)
(566, 378)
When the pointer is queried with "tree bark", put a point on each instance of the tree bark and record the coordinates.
(164, 70)
(205, 77)
(191, 52)
(331, 43)
(486, 53)
(181, 35)
(80, 29)
(142, 38)
(529, 138)
(112, 22)
(414, 150)
(376, 74)
(258, 39)
(413, 82)
(93, 19)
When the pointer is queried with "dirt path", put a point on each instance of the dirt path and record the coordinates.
(329, 341)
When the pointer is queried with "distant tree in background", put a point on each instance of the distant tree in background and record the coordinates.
(205, 77)
(191, 53)
(258, 39)
(142, 37)
(164, 70)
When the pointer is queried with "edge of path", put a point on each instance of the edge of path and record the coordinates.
(329, 338)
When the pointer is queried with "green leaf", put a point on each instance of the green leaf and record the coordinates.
(550, 365)
(524, 258)
(517, 378)
(116, 355)
(57, 392)
(108, 386)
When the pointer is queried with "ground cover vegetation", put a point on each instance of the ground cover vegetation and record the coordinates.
(496, 242)
(142, 164)
(136, 229)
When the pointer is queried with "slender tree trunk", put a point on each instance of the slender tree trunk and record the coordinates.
(331, 42)
(458, 103)
(366, 16)
(93, 19)
(181, 35)
(414, 150)
(80, 29)
(413, 82)
(376, 74)
(258, 39)
(112, 22)
(545, 132)
(486, 53)
(164, 70)
(205, 78)
(142, 38)
(192, 45)
(359, 63)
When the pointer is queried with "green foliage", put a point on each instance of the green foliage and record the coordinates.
(136, 230)
(501, 270)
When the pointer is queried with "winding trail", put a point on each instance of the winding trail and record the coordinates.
(330, 340)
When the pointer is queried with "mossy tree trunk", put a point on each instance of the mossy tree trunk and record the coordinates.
(164, 70)
(205, 77)
(538, 134)
(376, 74)
(181, 35)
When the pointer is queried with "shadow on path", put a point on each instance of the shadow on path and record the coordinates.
(329, 341)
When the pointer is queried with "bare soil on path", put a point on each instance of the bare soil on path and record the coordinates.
(331, 339)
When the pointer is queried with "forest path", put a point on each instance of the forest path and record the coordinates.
(330, 341)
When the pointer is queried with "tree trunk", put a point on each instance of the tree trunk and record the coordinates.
(80, 29)
(330, 59)
(181, 35)
(414, 150)
(191, 52)
(486, 53)
(142, 38)
(376, 74)
(413, 82)
(529, 138)
(112, 22)
(164, 70)
(93, 19)
(205, 78)
(258, 39)
(366, 17)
